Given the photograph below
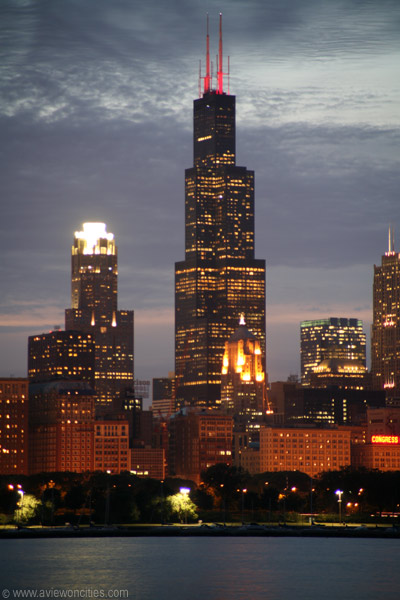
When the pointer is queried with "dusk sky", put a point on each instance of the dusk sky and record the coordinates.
(96, 100)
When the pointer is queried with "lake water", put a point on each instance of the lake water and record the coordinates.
(202, 568)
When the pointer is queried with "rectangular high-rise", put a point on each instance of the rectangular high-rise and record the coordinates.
(385, 342)
(94, 310)
(326, 339)
(219, 279)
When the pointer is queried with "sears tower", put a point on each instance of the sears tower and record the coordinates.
(220, 279)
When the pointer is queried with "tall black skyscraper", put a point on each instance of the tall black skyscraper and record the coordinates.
(219, 279)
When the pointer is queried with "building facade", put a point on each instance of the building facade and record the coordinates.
(111, 446)
(385, 339)
(308, 450)
(62, 355)
(13, 426)
(164, 395)
(198, 440)
(243, 378)
(333, 338)
(381, 447)
(220, 279)
(61, 427)
(294, 403)
(148, 462)
(94, 310)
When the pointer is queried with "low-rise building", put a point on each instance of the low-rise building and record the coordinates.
(309, 450)
(111, 446)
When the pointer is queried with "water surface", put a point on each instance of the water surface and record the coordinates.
(204, 568)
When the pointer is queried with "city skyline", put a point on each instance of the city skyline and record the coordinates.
(94, 106)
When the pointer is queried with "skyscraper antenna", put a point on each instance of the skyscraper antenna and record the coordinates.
(207, 85)
(220, 75)
(199, 78)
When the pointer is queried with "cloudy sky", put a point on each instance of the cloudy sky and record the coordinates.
(96, 125)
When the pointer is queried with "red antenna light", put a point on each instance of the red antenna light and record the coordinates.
(220, 76)
(208, 77)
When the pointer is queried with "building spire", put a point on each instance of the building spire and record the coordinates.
(207, 78)
(220, 74)
(391, 240)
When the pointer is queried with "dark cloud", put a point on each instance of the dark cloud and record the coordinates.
(96, 119)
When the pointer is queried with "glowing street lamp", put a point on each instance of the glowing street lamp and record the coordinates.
(21, 492)
(339, 495)
(107, 507)
(244, 491)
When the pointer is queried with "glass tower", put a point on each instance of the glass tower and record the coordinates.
(219, 279)
(385, 342)
(94, 310)
(334, 338)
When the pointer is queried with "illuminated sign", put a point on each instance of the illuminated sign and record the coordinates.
(385, 439)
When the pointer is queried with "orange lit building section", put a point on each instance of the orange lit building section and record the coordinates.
(111, 445)
(310, 451)
(382, 455)
(13, 426)
(243, 377)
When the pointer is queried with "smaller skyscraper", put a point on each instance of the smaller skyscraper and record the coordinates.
(385, 341)
(94, 310)
(243, 377)
(333, 338)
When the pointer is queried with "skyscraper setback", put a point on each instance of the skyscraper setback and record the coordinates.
(94, 300)
(219, 279)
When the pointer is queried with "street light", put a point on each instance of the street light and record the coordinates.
(339, 495)
(221, 485)
(107, 507)
(21, 492)
(243, 493)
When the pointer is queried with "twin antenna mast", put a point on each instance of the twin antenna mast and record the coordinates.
(208, 77)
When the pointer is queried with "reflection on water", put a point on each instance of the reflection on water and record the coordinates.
(207, 568)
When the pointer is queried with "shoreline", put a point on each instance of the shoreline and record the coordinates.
(202, 531)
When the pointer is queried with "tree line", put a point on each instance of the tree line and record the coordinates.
(225, 493)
